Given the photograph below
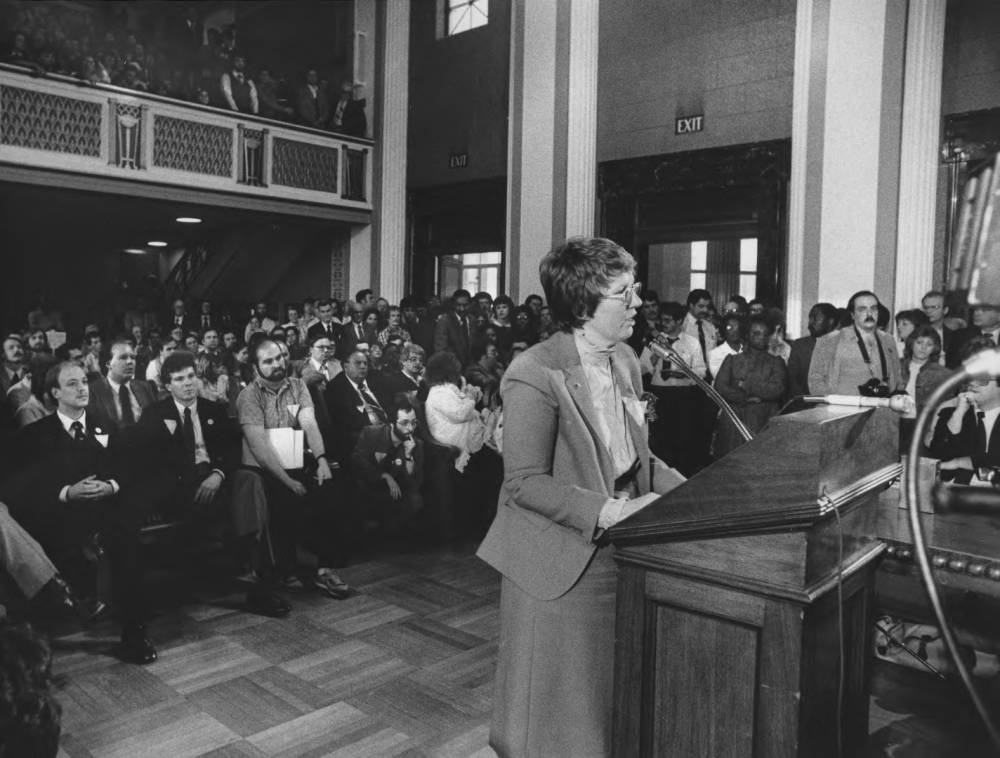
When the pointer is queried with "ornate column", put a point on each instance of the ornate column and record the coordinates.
(389, 174)
(552, 132)
(920, 143)
(845, 152)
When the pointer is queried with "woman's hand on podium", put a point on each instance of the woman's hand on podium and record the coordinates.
(619, 509)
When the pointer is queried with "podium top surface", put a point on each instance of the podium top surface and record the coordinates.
(775, 481)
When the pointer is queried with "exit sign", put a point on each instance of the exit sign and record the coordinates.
(689, 124)
(458, 160)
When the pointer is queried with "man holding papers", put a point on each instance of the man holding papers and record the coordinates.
(286, 499)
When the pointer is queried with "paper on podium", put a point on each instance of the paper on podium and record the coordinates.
(288, 444)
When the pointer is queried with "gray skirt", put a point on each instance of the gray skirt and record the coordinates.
(554, 681)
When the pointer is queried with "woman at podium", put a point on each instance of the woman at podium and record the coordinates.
(576, 462)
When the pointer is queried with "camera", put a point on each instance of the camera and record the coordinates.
(874, 388)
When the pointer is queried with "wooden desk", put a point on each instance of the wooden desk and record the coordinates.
(965, 553)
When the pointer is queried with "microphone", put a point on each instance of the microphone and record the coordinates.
(965, 499)
(898, 403)
(667, 353)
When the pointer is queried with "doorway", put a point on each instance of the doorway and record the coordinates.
(724, 266)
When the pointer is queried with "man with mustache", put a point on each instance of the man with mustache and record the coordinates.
(857, 356)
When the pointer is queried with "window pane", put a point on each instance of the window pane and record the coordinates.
(470, 279)
(697, 281)
(464, 15)
(491, 257)
(699, 256)
(748, 286)
(490, 277)
(748, 254)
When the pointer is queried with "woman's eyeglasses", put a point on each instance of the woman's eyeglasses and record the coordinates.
(632, 291)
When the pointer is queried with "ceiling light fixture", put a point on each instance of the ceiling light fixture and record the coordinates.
(156, 243)
(135, 250)
(188, 220)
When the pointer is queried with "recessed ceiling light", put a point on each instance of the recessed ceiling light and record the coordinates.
(188, 220)
(156, 243)
(135, 250)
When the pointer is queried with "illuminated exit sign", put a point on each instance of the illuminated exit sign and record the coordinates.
(689, 124)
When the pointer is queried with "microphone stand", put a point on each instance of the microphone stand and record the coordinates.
(667, 353)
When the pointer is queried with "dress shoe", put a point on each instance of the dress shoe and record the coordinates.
(58, 599)
(265, 602)
(135, 646)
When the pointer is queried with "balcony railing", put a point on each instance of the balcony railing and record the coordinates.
(55, 122)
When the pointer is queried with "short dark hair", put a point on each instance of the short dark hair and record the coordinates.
(323, 303)
(443, 367)
(760, 319)
(695, 295)
(575, 274)
(362, 294)
(410, 301)
(460, 293)
(861, 293)
(483, 296)
(503, 300)
(177, 361)
(914, 315)
(649, 295)
(675, 310)
(828, 310)
(400, 402)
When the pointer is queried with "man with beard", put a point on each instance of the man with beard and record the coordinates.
(388, 465)
(13, 366)
(822, 320)
(859, 359)
(238, 89)
(291, 511)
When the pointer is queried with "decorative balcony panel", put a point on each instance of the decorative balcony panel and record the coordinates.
(306, 166)
(192, 146)
(59, 124)
(44, 121)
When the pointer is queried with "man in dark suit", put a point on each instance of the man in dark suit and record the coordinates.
(118, 399)
(352, 333)
(325, 327)
(179, 317)
(312, 104)
(933, 305)
(352, 406)
(206, 319)
(409, 378)
(69, 486)
(967, 437)
(421, 329)
(822, 320)
(985, 323)
(388, 465)
(453, 330)
(191, 441)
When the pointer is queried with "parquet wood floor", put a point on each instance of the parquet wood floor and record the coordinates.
(404, 668)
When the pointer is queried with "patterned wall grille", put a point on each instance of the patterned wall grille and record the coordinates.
(299, 164)
(49, 122)
(192, 146)
(338, 274)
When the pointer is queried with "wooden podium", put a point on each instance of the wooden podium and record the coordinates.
(728, 633)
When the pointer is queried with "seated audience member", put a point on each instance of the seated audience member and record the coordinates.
(408, 379)
(192, 341)
(140, 316)
(388, 468)
(210, 346)
(191, 444)
(486, 373)
(985, 323)
(822, 320)
(450, 408)
(370, 323)
(676, 395)
(352, 406)
(922, 374)
(12, 370)
(312, 104)
(394, 327)
(229, 341)
(734, 333)
(290, 514)
(118, 399)
(296, 349)
(30, 714)
(179, 317)
(153, 369)
(238, 90)
(353, 332)
(93, 346)
(39, 403)
(69, 486)
(37, 343)
(967, 436)
(317, 371)
(259, 321)
(212, 379)
(453, 330)
(375, 365)
(753, 382)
